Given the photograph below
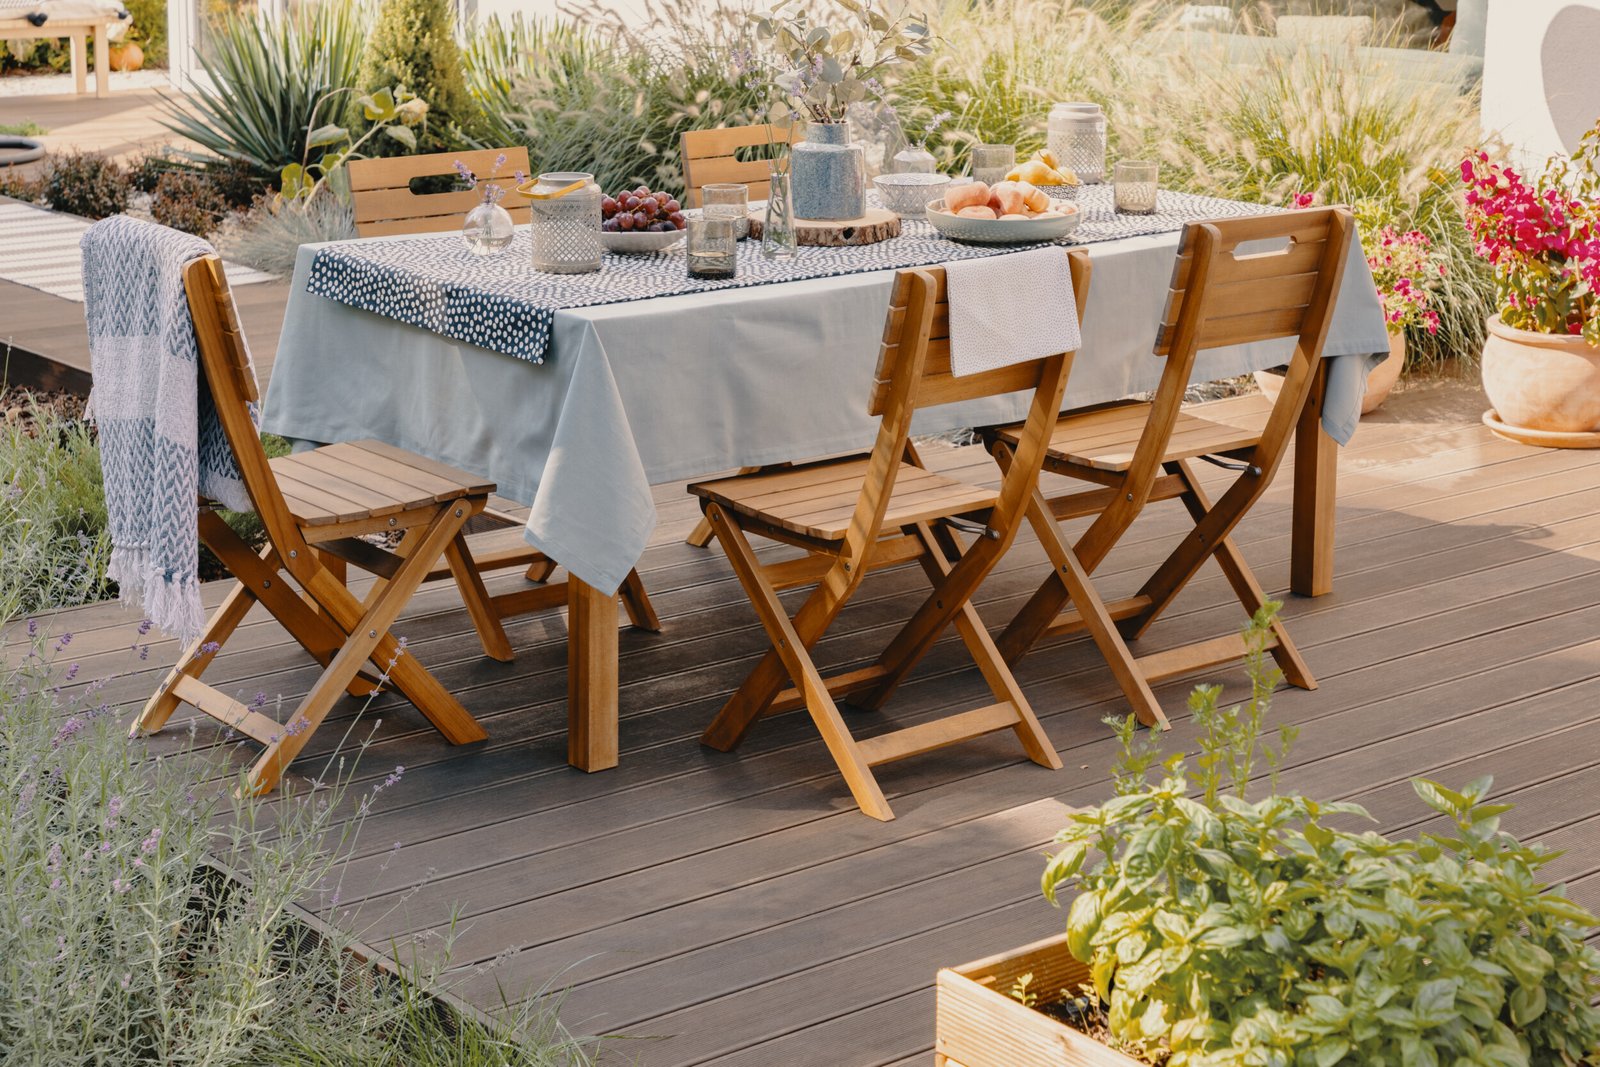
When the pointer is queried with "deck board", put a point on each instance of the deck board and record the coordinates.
(734, 910)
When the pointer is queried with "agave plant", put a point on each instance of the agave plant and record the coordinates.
(266, 75)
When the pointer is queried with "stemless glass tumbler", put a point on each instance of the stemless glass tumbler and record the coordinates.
(1134, 187)
(713, 247)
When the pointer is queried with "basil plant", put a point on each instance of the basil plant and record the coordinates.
(1274, 933)
(822, 69)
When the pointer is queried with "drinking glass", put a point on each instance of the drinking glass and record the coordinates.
(1134, 187)
(992, 162)
(713, 247)
(727, 200)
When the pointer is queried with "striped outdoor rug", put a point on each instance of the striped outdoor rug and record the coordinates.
(39, 249)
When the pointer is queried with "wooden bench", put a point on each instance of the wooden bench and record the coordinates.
(77, 31)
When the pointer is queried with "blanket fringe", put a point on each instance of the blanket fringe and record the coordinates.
(172, 604)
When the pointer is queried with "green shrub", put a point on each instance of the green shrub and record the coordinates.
(1220, 931)
(53, 542)
(266, 74)
(605, 97)
(1349, 134)
(269, 235)
(413, 46)
(149, 917)
(83, 183)
(188, 201)
(149, 29)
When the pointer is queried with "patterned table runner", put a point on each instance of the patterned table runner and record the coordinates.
(501, 303)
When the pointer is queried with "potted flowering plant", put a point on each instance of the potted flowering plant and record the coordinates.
(1541, 363)
(822, 70)
(1406, 272)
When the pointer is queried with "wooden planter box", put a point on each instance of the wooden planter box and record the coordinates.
(979, 1025)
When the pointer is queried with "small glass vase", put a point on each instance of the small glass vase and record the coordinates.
(913, 161)
(777, 232)
(488, 230)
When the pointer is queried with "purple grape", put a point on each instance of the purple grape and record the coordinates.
(671, 206)
(608, 206)
(611, 226)
(676, 218)
(625, 221)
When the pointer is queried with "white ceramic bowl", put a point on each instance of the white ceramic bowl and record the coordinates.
(1002, 231)
(630, 243)
(907, 194)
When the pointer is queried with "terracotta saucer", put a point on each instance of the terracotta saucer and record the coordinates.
(1540, 438)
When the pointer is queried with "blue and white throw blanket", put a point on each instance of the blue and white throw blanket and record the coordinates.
(161, 443)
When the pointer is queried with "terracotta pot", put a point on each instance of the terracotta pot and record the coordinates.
(1540, 381)
(124, 57)
(1381, 379)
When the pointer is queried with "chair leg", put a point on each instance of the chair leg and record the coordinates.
(1246, 587)
(540, 570)
(196, 658)
(763, 684)
(491, 634)
(981, 647)
(369, 639)
(1074, 578)
(791, 643)
(636, 601)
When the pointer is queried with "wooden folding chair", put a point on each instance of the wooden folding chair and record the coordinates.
(385, 205)
(317, 507)
(878, 509)
(711, 156)
(1141, 452)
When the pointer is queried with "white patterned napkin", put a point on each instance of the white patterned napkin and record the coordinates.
(1010, 309)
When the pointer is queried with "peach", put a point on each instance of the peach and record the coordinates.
(1008, 198)
(1014, 217)
(971, 194)
(977, 211)
(1035, 199)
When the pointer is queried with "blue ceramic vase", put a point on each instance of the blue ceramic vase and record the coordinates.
(827, 174)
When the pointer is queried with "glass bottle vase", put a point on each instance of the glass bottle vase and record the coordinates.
(777, 232)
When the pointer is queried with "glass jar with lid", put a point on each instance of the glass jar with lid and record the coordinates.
(1076, 133)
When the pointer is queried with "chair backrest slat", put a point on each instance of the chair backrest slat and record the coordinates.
(914, 372)
(1225, 294)
(385, 204)
(1253, 293)
(939, 385)
(712, 156)
(225, 361)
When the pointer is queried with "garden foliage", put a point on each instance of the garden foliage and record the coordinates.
(412, 47)
(1223, 931)
(147, 916)
(264, 76)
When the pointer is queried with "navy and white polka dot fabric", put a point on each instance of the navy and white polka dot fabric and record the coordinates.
(501, 303)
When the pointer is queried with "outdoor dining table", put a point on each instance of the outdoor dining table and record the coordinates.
(577, 393)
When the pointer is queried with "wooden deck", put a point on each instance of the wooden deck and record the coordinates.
(735, 909)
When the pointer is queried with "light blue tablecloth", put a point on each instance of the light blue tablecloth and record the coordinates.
(658, 390)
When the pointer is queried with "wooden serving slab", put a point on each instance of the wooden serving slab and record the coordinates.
(878, 224)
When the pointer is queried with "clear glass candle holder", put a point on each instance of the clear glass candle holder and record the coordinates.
(1134, 187)
(992, 162)
(727, 200)
(713, 249)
